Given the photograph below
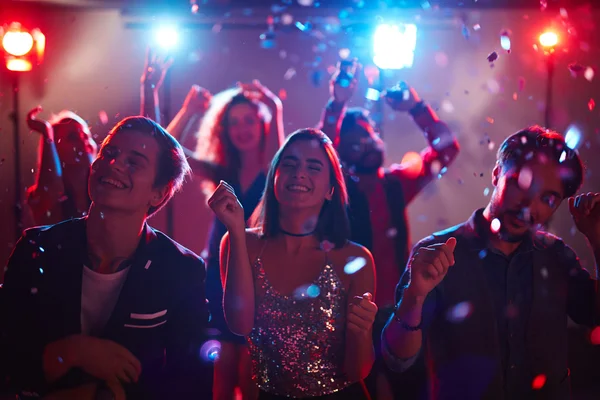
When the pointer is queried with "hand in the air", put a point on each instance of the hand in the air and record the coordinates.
(197, 100)
(155, 69)
(39, 125)
(257, 90)
(343, 83)
(227, 208)
(585, 209)
(401, 97)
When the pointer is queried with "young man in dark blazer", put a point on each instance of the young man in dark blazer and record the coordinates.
(486, 302)
(105, 306)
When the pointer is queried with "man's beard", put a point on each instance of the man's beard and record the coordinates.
(512, 237)
(369, 162)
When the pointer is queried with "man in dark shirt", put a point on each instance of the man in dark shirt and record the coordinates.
(105, 306)
(486, 302)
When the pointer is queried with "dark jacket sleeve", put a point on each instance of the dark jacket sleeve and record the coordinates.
(186, 330)
(583, 299)
(23, 343)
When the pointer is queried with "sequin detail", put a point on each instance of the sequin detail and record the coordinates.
(297, 345)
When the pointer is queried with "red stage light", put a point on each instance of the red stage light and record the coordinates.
(548, 39)
(17, 45)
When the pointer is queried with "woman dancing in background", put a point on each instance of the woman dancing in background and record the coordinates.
(240, 131)
(66, 152)
(307, 321)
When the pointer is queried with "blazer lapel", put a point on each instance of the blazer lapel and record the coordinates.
(68, 259)
(134, 284)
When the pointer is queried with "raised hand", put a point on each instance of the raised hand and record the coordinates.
(585, 210)
(429, 266)
(39, 125)
(401, 97)
(155, 69)
(197, 100)
(226, 206)
(257, 90)
(344, 81)
(361, 314)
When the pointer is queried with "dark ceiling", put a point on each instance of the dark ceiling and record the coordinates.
(214, 5)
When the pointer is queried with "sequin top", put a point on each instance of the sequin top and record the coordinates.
(297, 344)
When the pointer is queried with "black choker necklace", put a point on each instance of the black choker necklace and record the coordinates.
(296, 234)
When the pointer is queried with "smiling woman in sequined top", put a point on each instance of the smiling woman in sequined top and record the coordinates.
(308, 321)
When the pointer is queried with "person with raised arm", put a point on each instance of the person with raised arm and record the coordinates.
(66, 152)
(240, 130)
(379, 197)
(295, 285)
(485, 303)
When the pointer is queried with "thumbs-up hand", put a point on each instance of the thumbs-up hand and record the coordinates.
(361, 314)
(429, 266)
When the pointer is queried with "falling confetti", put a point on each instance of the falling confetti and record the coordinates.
(460, 312)
(354, 265)
(573, 137)
(493, 56)
(589, 73)
(591, 104)
(505, 42)
(495, 225)
(538, 382)
(103, 117)
(289, 74)
(305, 3)
(306, 291)
(525, 178)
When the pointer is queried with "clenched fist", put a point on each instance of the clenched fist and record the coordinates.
(226, 206)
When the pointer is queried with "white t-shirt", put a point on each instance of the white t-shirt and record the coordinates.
(99, 295)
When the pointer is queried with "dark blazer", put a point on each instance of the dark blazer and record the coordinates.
(160, 315)
(463, 359)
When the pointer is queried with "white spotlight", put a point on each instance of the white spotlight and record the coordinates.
(394, 46)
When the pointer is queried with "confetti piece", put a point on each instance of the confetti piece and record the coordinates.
(573, 137)
(103, 117)
(282, 94)
(495, 225)
(391, 233)
(476, 27)
(505, 42)
(305, 3)
(354, 265)
(460, 312)
(589, 73)
(493, 56)
(538, 382)
(289, 74)
(591, 104)
(525, 178)
(544, 273)
(287, 19)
